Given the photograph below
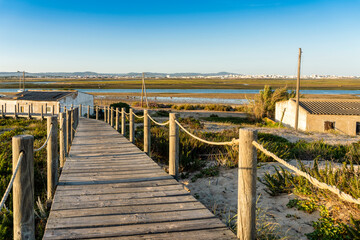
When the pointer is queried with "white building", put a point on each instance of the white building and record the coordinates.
(50, 101)
(341, 115)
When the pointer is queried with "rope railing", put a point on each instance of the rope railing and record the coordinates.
(3, 200)
(48, 137)
(314, 181)
(138, 116)
(231, 143)
(158, 123)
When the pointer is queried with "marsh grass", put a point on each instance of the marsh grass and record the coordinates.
(38, 130)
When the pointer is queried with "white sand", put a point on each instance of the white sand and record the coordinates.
(219, 194)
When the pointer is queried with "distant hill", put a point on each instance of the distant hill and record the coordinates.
(94, 74)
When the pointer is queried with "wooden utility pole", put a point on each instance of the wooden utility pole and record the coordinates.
(298, 92)
(24, 80)
(142, 89)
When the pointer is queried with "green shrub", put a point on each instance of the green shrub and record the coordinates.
(38, 130)
(120, 105)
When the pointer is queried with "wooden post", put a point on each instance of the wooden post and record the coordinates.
(29, 113)
(88, 111)
(23, 187)
(246, 224)
(5, 108)
(15, 112)
(112, 117)
(108, 115)
(72, 125)
(53, 110)
(298, 93)
(80, 110)
(117, 119)
(68, 130)
(42, 112)
(105, 114)
(131, 127)
(123, 121)
(2, 111)
(32, 108)
(147, 138)
(173, 146)
(62, 138)
(52, 157)
(45, 109)
(97, 112)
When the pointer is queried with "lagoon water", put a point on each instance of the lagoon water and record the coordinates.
(93, 90)
(193, 99)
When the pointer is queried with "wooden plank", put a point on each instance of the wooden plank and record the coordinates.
(109, 189)
(140, 229)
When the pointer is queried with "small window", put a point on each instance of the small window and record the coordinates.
(22, 109)
(357, 128)
(329, 125)
(48, 110)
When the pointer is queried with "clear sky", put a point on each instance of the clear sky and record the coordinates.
(250, 37)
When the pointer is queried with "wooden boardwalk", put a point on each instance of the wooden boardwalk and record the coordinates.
(109, 189)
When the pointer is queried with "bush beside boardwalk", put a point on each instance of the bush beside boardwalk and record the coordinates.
(195, 157)
(8, 128)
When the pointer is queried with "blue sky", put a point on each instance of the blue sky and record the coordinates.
(250, 37)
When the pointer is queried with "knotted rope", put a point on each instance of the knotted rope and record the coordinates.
(48, 137)
(157, 123)
(3, 200)
(314, 181)
(233, 142)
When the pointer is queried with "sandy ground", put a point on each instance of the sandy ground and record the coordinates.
(289, 134)
(219, 195)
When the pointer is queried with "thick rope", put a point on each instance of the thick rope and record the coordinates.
(314, 181)
(157, 123)
(233, 142)
(138, 116)
(3, 200)
(48, 137)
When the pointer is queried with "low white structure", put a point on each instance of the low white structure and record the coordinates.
(341, 115)
(49, 101)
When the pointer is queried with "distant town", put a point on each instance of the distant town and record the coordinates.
(221, 75)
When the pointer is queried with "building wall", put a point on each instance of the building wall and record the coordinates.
(289, 116)
(78, 98)
(35, 106)
(344, 124)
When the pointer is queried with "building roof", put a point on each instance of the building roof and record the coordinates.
(39, 95)
(331, 106)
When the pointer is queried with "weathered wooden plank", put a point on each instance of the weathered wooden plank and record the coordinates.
(109, 189)
(138, 229)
